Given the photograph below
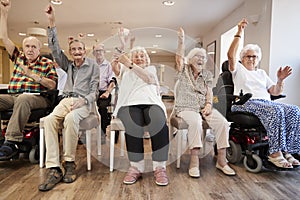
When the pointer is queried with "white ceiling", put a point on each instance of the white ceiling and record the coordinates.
(144, 18)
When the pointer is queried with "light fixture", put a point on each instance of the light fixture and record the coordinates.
(37, 32)
(168, 3)
(153, 52)
(90, 34)
(158, 35)
(22, 34)
(155, 45)
(56, 2)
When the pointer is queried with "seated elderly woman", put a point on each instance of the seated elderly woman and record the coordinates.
(281, 121)
(194, 101)
(139, 105)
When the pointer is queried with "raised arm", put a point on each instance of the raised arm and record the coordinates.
(282, 74)
(232, 52)
(61, 59)
(9, 45)
(180, 50)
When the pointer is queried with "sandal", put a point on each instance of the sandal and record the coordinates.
(280, 162)
(292, 160)
(132, 176)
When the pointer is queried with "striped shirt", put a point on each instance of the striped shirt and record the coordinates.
(19, 82)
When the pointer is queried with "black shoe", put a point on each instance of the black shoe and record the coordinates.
(70, 175)
(8, 150)
(54, 176)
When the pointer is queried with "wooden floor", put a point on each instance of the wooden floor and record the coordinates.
(19, 179)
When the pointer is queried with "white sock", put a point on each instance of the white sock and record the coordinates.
(159, 164)
(139, 165)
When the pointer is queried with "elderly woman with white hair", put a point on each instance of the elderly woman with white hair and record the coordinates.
(194, 103)
(139, 105)
(281, 121)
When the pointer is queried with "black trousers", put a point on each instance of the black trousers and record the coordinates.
(102, 108)
(135, 119)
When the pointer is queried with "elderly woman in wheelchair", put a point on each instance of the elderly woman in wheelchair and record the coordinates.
(194, 102)
(281, 121)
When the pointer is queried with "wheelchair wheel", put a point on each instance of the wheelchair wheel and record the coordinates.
(234, 152)
(254, 165)
(34, 155)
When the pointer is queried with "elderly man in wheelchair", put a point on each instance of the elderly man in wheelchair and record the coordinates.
(269, 128)
(32, 76)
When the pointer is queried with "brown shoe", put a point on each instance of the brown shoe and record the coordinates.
(54, 176)
(70, 175)
(161, 177)
(132, 176)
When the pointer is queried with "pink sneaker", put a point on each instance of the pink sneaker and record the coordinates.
(161, 177)
(132, 176)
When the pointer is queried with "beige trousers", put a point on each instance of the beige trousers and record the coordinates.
(63, 116)
(216, 121)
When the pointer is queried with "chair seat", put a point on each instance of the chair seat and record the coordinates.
(116, 125)
(88, 123)
(245, 120)
(179, 123)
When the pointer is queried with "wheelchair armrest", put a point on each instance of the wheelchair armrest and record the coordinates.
(240, 100)
(277, 97)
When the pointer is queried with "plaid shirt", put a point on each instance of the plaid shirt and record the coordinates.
(19, 82)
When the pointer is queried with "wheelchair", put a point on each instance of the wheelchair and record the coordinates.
(248, 139)
(30, 143)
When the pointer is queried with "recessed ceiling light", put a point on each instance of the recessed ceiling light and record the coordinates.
(56, 2)
(22, 34)
(168, 3)
(90, 34)
(158, 35)
(46, 44)
(155, 46)
(153, 51)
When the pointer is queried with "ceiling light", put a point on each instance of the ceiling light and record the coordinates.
(90, 34)
(158, 35)
(46, 44)
(22, 34)
(153, 51)
(56, 2)
(168, 3)
(37, 32)
(155, 46)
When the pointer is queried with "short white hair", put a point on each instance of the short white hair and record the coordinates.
(139, 49)
(194, 51)
(253, 47)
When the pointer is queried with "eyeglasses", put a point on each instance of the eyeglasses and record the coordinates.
(253, 57)
(74, 49)
(99, 51)
(200, 57)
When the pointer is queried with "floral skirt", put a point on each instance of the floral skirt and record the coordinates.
(281, 121)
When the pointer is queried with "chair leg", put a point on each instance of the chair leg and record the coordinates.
(42, 147)
(88, 148)
(98, 132)
(122, 142)
(179, 146)
(111, 151)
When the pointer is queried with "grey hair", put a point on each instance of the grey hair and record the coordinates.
(194, 51)
(139, 49)
(34, 38)
(253, 47)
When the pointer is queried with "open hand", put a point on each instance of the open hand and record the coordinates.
(282, 73)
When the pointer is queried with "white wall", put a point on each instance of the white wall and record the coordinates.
(285, 45)
(276, 32)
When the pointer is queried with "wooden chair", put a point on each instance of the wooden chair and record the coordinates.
(85, 126)
(116, 125)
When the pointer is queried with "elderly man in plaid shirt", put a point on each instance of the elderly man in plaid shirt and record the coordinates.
(32, 74)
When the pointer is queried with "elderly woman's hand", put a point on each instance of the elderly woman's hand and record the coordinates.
(180, 34)
(242, 24)
(282, 73)
(206, 110)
